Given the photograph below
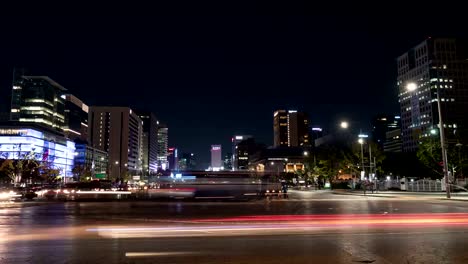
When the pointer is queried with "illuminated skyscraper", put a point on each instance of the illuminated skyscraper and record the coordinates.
(118, 131)
(150, 142)
(436, 64)
(291, 129)
(76, 118)
(216, 160)
(163, 142)
(39, 100)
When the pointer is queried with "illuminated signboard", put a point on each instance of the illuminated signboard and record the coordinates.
(215, 148)
(239, 137)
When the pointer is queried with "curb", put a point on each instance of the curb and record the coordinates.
(366, 195)
(392, 196)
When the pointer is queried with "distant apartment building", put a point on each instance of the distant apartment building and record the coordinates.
(117, 131)
(291, 129)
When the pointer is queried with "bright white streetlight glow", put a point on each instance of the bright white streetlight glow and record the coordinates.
(411, 87)
(361, 141)
(433, 131)
(306, 153)
(272, 163)
(116, 162)
(344, 124)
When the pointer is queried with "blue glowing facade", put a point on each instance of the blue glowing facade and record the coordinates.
(47, 147)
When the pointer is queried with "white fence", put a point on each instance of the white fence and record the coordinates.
(422, 185)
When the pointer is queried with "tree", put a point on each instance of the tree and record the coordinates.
(7, 169)
(430, 155)
(82, 172)
(25, 167)
(49, 172)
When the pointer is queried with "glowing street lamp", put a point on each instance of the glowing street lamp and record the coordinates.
(344, 125)
(411, 87)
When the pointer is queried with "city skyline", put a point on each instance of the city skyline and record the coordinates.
(181, 77)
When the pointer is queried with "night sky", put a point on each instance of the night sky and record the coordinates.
(209, 77)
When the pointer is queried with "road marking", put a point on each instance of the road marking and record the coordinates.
(157, 254)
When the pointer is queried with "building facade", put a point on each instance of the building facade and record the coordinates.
(46, 146)
(291, 129)
(173, 158)
(163, 145)
(76, 118)
(382, 124)
(436, 64)
(92, 161)
(150, 142)
(216, 160)
(239, 155)
(393, 141)
(187, 162)
(117, 131)
(227, 162)
(38, 100)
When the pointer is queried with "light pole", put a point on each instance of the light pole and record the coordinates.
(361, 142)
(411, 87)
(459, 146)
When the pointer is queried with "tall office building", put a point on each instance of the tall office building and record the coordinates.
(291, 129)
(173, 159)
(382, 124)
(150, 142)
(239, 155)
(216, 161)
(434, 64)
(163, 142)
(187, 161)
(118, 131)
(227, 162)
(76, 118)
(38, 100)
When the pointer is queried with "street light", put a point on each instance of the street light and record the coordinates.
(411, 87)
(361, 142)
(306, 153)
(344, 124)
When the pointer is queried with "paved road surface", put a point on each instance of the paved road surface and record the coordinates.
(314, 227)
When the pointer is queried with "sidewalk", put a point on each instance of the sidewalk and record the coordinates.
(459, 196)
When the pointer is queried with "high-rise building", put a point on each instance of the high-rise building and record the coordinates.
(76, 118)
(173, 159)
(150, 142)
(117, 131)
(39, 100)
(393, 141)
(382, 124)
(187, 162)
(436, 64)
(239, 158)
(216, 161)
(291, 129)
(227, 162)
(163, 142)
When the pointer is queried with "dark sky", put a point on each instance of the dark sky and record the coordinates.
(209, 77)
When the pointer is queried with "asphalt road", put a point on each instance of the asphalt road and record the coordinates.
(314, 227)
